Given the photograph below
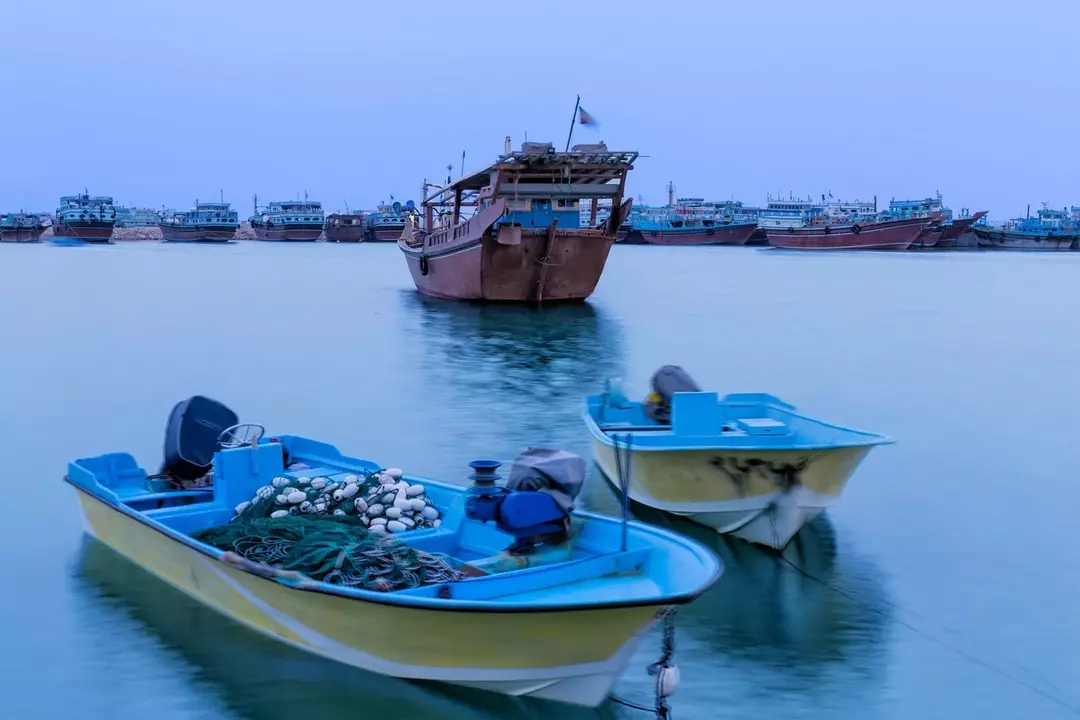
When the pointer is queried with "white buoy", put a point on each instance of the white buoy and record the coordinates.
(414, 490)
(280, 482)
(395, 526)
(303, 481)
(282, 499)
(349, 490)
(351, 479)
(403, 503)
(375, 510)
(394, 472)
(378, 528)
(279, 513)
(417, 504)
(378, 521)
(667, 681)
(339, 512)
(393, 513)
(430, 513)
(318, 483)
(241, 507)
(296, 496)
(360, 504)
(407, 522)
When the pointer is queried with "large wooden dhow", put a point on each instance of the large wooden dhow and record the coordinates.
(524, 240)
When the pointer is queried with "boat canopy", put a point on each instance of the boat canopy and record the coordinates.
(537, 170)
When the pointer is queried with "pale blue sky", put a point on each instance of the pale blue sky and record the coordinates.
(157, 103)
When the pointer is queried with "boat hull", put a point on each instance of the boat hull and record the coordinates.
(951, 235)
(718, 235)
(570, 656)
(338, 231)
(893, 235)
(87, 231)
(693, 483)
(20, 234)
(294, 233)
(1005, 240)
(758, 237)
(495, 272)
(196, 234)
(384, 234)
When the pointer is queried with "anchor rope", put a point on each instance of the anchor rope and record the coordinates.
(781, 560)
(660, 708)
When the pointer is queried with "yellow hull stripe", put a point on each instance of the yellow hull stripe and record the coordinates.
(689, 476)
(333, 625)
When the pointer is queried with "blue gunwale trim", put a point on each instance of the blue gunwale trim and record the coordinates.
(447, 605)
(871, 438)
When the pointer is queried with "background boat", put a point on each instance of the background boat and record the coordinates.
(344, 227)
(206, 222)
(295, 220)
(1049, 230)
(86, 217)
(21, 228)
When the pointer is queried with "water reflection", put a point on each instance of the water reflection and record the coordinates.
(521, 372)
(803, 614)
(262, 679)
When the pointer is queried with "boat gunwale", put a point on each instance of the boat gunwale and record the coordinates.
(869, 439)
(699, 551)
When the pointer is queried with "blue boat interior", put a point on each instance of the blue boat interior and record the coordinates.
(593, 567)
(704, 420)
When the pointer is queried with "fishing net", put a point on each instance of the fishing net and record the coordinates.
(382, 500)
(335, 549)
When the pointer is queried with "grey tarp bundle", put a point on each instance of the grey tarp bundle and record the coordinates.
(667, 381)
(556, 472)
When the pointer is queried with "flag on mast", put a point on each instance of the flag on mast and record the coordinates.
(586, 118)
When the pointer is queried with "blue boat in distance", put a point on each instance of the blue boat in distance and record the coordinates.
(213, 222)
(748, 464)
(1049, 230)
(388, 222)
(21, 227)
(533, 598)
(296, 220)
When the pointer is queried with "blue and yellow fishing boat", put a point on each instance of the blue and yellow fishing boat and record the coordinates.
(748, 464)
(502, 588)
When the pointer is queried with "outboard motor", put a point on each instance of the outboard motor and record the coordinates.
(667, 381)
(191, 437)
(534, 507)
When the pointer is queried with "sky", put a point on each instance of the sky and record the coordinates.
(162, 103)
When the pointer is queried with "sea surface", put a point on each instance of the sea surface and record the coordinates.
(944, 585)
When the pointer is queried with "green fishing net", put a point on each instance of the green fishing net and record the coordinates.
(335, 549)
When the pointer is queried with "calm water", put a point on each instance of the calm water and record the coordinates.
(944, 585)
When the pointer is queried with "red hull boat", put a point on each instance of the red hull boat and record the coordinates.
(87, 231)
(525, 243)
(890, 235)
(733, 234)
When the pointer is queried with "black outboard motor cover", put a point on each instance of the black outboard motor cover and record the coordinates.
(191, 437)
(559, 473)
(667, 381)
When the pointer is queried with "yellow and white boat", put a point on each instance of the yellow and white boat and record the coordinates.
(747, 464)
(557, 618)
